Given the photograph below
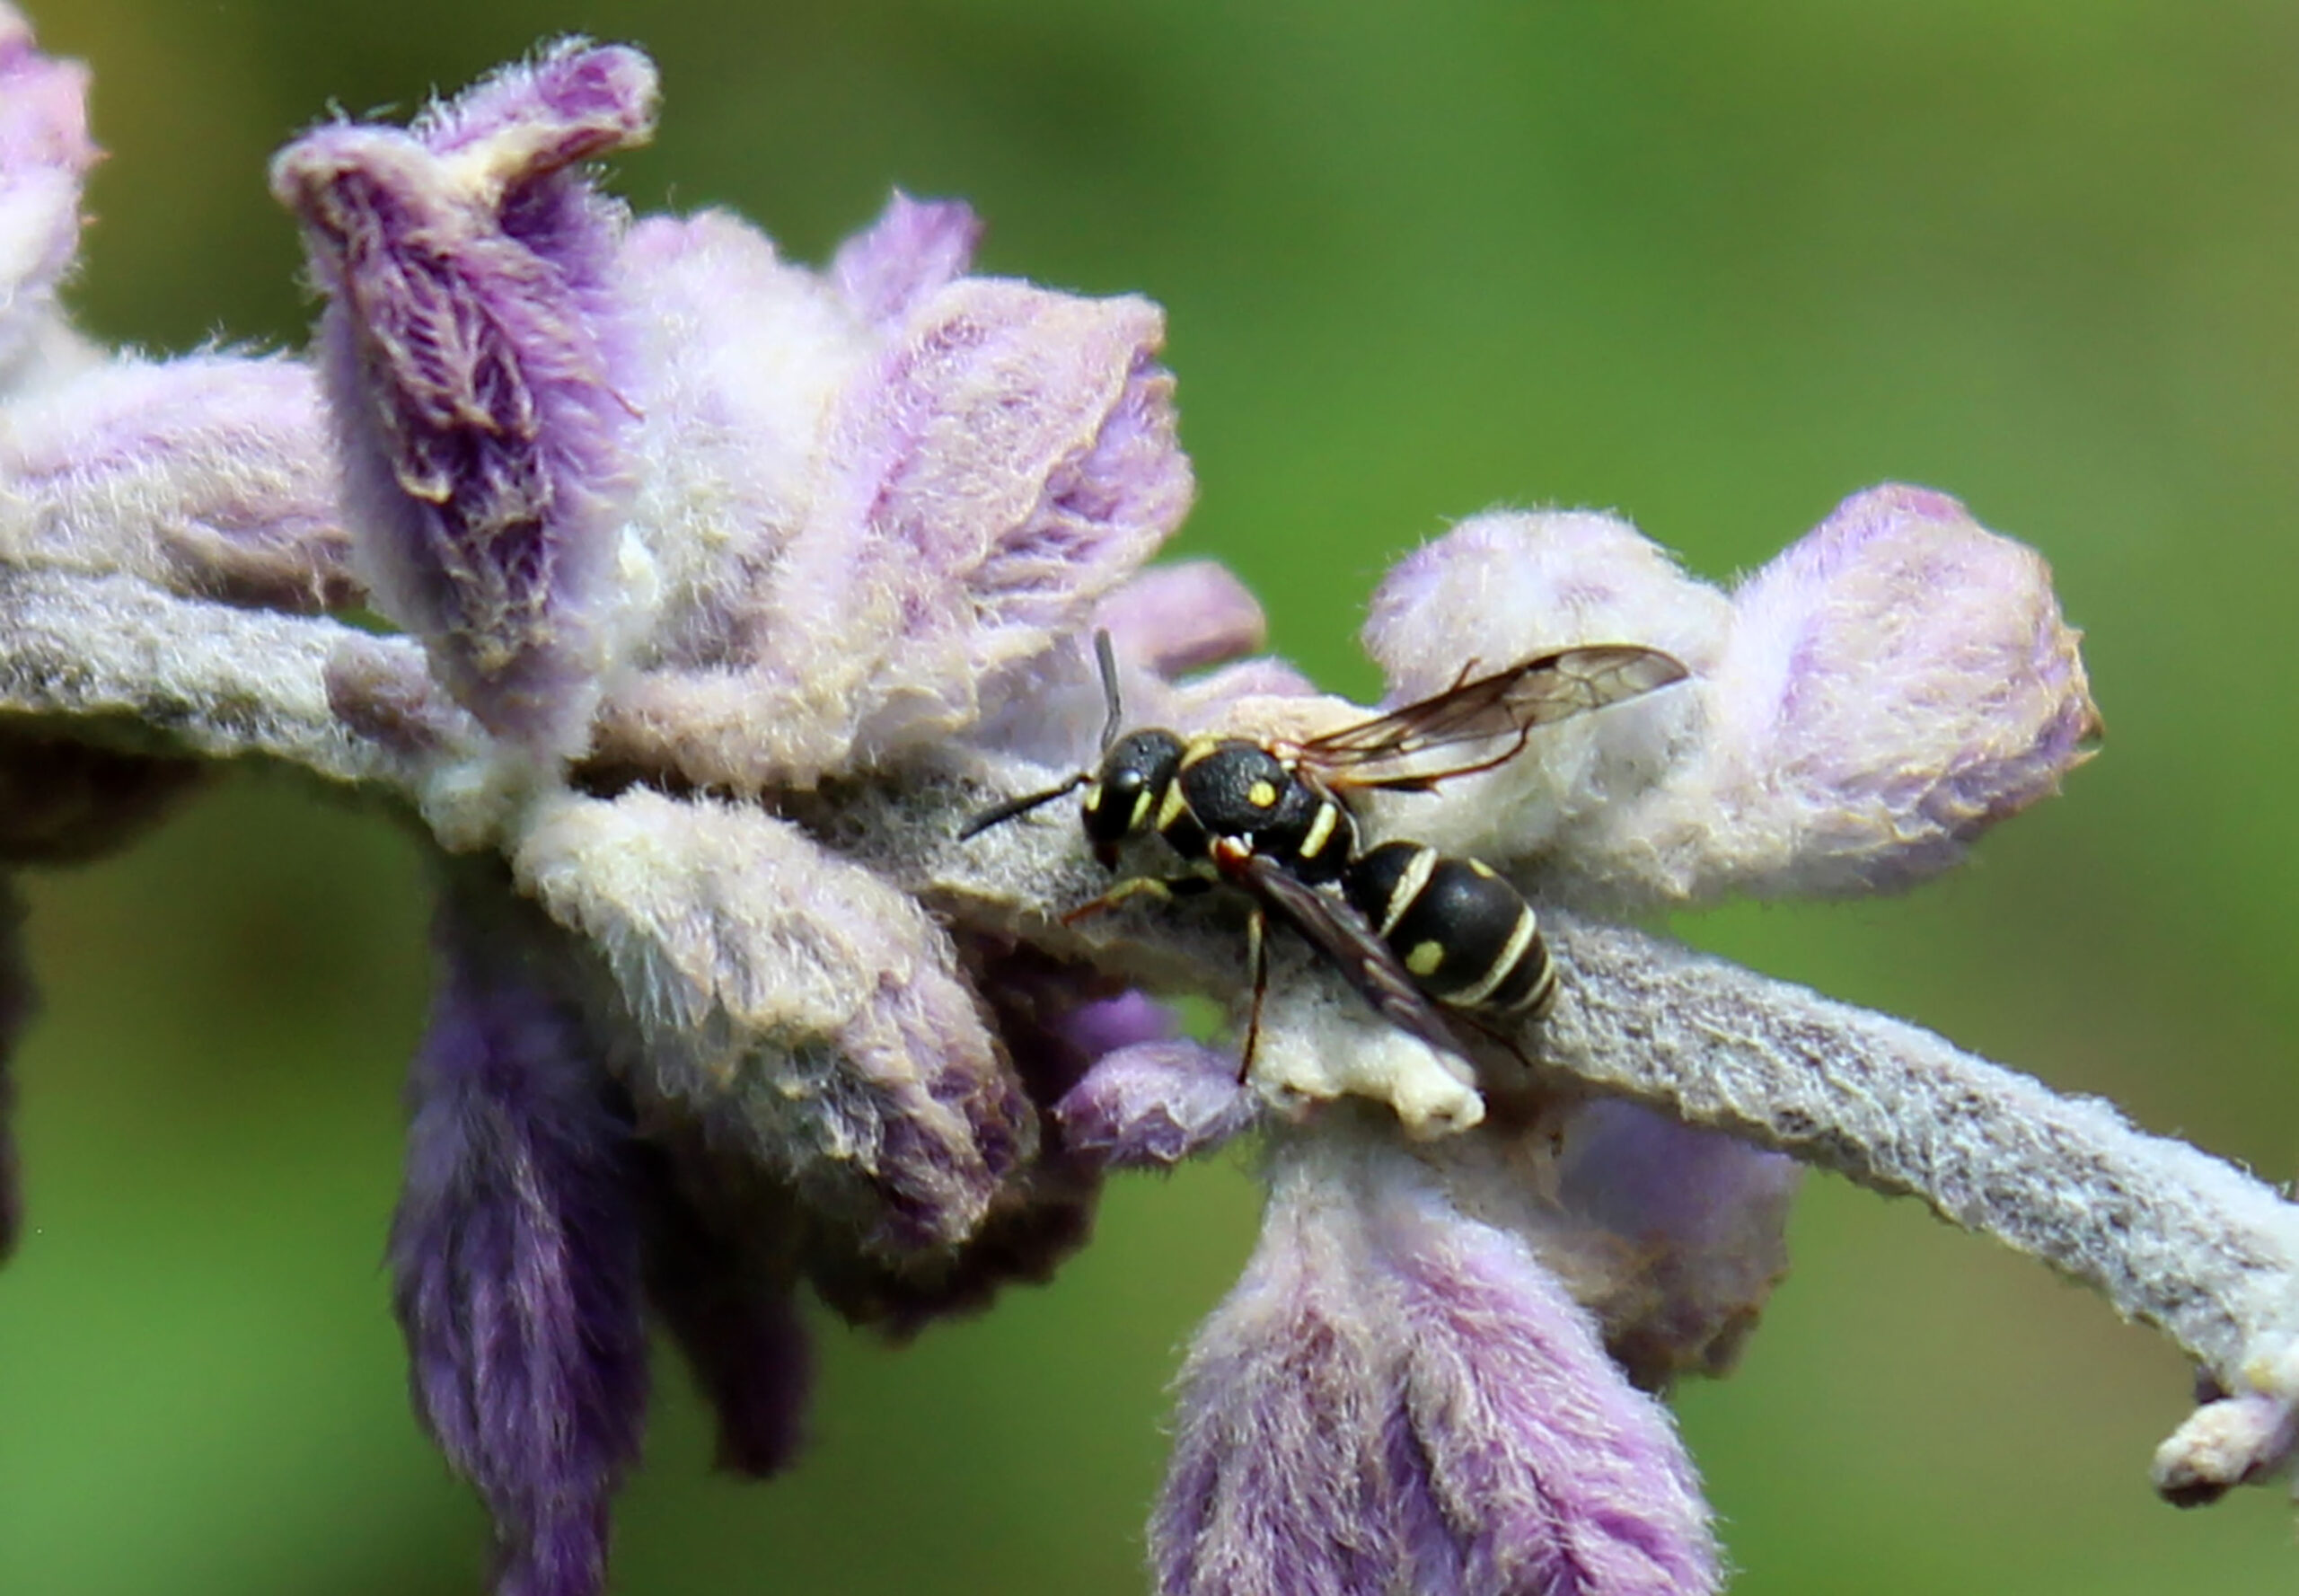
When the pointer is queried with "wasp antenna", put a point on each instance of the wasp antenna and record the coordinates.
(1106, 656)
(999, 813)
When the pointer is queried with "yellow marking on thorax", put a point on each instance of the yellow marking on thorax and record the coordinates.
(1197, 749)
(1321, 830)
(1171, 809)
(1261, 795)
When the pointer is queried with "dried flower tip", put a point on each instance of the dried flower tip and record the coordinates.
(2236, 1441)
(1318, 1044)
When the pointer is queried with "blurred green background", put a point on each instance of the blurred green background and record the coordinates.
(1715, 265)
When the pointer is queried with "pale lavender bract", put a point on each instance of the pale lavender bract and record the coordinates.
(1862, 708)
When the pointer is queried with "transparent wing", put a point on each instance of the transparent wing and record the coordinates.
(1340, 933)
(1510, 703)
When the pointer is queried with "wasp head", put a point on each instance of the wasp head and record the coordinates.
(1122, 800)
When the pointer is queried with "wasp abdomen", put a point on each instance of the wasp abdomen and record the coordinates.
(1466, 936)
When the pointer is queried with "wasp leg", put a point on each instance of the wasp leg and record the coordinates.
(1134, 888)
(1256, 960)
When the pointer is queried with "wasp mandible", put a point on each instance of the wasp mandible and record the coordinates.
(1410, 927)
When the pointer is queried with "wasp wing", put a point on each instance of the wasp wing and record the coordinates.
(1340, 933)
(1532, 693)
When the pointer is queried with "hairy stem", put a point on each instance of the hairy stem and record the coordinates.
(2170, 1236)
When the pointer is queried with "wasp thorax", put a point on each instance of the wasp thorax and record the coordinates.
(1123, 800)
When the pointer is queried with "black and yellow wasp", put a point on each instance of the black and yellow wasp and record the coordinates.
(1404, 923)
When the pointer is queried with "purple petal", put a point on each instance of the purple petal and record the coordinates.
(515, 1250)
(1176, 618)
(1399, 1397)
(806, 1012)
(575, 101)
(1056, 1017)
(1698, 1221)
(912, 248)
(2230, 1441)
(474, 350)
(209, 475)
(1154, 1105)
(45, 151)
(18, 1000)
(1055, 1022)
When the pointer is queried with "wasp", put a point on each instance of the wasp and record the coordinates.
(1415, 931)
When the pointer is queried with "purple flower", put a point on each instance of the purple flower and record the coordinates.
(1860, 709)
(474, 354)
(792, 1006)
(870, 540)
(1399, 1397)
(199, 478)
(516, 1250)
(877, 509)
(731, 589)
(206, 476)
